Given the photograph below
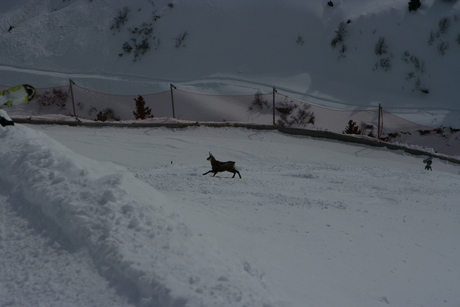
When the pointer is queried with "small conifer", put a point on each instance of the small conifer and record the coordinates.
(352, 128)
(142, 112)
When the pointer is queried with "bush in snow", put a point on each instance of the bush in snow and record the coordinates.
(180, 40)
(141, 48)
(342, 51)
(300, 40)
(351, 128)
(120, 19)
(56, 98)
(414, 5)
(418, 64)
(140, 41)
(291, 114)
(380, 49)
(339, 34)
(127, 47)
(442, 47)
(339, 38)
(419, 69)
(385, 63)
(258, 102)
(443, 28)
(421, 88)
(368, 129)
(140, 37)
(142, 112)
(303, 116)
(381, 46)
(107, 114)
(144, 30)
(431, 38)
(444, 25)
(424, 132)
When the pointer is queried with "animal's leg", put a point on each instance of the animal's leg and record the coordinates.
(236, 172)
(207, 173)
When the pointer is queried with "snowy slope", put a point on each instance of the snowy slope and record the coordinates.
(238, 47)
(311, 223)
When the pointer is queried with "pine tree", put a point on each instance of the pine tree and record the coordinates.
(142, 112)
(352, 128)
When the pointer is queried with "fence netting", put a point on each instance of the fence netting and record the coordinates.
(73, 100)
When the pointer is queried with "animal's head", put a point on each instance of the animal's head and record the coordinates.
(211, 157)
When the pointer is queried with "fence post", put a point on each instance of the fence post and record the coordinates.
(73, 101)
(274, 91)
(380, 123)
(171, 87)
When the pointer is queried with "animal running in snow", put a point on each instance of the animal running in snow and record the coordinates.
(218, 166)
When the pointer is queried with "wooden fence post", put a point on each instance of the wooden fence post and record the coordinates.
(73, 101)
(171, 87)
(274, 91)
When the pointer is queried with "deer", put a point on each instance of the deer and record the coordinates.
(218, 166)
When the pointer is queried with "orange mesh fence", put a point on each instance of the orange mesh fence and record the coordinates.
(257, 109)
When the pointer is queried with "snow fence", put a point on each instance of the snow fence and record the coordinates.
(262, 109)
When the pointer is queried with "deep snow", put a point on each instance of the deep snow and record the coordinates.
(312, 223)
